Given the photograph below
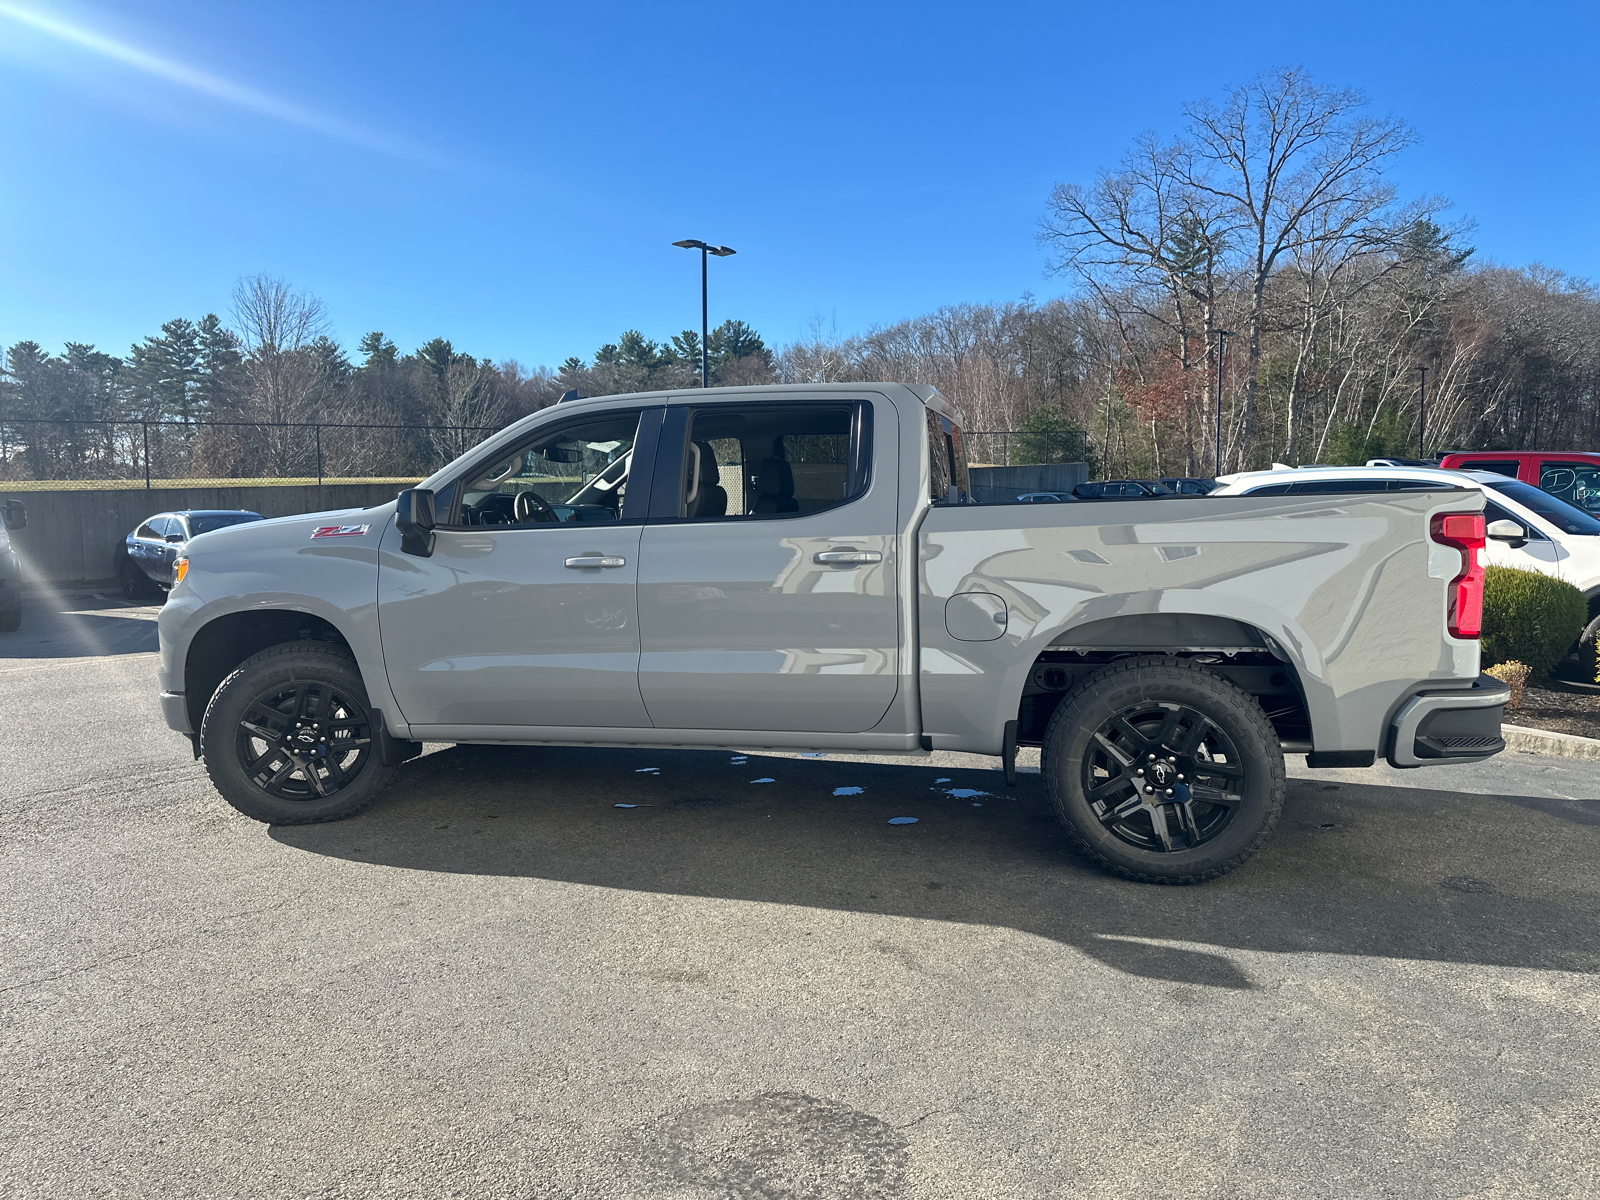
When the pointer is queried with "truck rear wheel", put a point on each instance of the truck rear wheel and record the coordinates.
(1163, 771)
(290, 738)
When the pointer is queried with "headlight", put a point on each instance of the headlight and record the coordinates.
(180, 568)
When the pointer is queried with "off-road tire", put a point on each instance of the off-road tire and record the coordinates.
(318, 669)
(1175, 685)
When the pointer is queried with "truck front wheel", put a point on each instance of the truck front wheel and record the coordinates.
(289, 738)
(1163, 771)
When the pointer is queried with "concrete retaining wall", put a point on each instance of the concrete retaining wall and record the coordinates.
(72, 537)
(996, 485)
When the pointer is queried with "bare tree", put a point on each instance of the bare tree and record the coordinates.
(277, 326)
(1292, 162)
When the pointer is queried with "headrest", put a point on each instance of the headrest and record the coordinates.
(775, 478)
(708, 464)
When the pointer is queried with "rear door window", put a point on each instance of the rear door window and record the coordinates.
(772, 460)
(1578, 483)
(1271, 489)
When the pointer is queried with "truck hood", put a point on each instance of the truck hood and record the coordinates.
(295, 531)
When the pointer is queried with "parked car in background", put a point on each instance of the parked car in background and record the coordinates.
(1185, 486)
(1570, 475)
(1400, 462)
(1120, 489)
(15, 515)
(144, 564)
(1044, 497)
(1527, 528)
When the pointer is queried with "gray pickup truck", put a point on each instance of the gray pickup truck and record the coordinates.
(800, 567)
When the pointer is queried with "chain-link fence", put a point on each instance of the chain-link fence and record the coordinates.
(150, 454)
(51, 454)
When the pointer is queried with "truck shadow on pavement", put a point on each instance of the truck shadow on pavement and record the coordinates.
(1351, 869)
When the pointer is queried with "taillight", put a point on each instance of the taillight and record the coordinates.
(1464, 531)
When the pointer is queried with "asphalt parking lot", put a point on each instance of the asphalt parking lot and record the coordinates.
(498, 983)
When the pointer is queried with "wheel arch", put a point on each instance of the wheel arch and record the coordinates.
(1235, 648)
(226, 640)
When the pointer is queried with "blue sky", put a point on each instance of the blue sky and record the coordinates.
(511, 176)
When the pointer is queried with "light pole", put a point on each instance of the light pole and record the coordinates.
(1422, 415)
(705, 330)
(1222, 340)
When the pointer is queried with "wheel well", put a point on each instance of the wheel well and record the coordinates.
(223, 644)
(1249, 662)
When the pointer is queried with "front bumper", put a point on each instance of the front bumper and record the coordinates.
(1449, 726)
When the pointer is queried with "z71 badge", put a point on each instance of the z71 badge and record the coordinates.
(322, 531)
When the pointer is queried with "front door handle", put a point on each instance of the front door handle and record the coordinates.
(847, 557)
(596, 560)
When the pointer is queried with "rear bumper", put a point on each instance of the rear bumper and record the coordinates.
(1449, 726)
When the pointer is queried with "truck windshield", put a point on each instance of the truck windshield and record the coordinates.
(1558, 512)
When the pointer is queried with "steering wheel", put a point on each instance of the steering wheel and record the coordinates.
(530, 506)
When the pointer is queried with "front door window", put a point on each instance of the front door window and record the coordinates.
(575, 475)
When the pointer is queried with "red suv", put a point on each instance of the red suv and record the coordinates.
(1573, 475)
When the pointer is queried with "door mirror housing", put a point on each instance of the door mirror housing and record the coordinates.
(174, 537)
(413, 517)
(16, 514)
(1509, 532)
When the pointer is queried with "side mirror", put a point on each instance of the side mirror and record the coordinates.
(1509, 532)
(413, 517)
(174, 537)
(16, 514)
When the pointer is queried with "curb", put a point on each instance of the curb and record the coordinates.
(1543, 741)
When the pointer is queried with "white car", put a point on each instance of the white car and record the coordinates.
(1527, 528)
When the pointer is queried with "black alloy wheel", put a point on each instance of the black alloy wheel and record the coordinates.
(1163, 771)
(290, 736)
(1163, 777)
(304, 740)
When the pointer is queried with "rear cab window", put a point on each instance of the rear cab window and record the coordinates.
(948, 481)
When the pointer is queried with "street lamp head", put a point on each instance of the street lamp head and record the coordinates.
(722, 251)
(693, 244)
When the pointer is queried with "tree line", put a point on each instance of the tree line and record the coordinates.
(1268, 226)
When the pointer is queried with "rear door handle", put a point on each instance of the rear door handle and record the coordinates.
(596, 560)
(849, 557)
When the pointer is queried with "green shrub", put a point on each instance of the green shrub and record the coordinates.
(1530, 618)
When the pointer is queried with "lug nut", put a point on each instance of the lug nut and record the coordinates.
(1180, 776)
(1152, 758)
(1138, 770)
(1169, 791)
(1148, 789)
